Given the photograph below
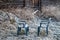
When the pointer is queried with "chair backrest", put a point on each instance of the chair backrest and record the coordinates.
(21, 23)
(44, 22)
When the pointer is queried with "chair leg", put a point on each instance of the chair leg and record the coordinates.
(26, 31)
(38, 31)
(47, 30)
(18, 30)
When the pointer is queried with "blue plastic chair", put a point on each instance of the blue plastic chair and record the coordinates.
(42, 22)
(24, 26)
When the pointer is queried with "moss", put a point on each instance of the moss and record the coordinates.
(43, 33)
(12, 21)
(22, 32)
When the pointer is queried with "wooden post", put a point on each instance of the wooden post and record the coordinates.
(33, 3)
(40, 5)
(23, 3)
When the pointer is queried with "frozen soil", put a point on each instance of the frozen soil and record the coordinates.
(8, 25)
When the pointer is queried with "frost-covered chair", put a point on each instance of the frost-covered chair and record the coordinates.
(22, 24)
(45, 24)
